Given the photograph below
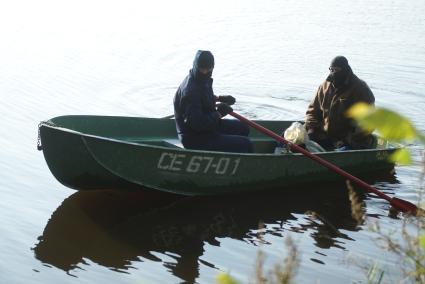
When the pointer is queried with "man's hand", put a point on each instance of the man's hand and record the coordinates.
(227, 100)
(224, 109)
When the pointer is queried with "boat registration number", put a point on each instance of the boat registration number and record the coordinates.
(198, 164)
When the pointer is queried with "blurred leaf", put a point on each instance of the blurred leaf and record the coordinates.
(401, 156)
(359, 111)
(422, 241)
(375, 274)
(389, 124)
(224, 278)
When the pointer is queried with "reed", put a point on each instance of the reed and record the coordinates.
(280, 274)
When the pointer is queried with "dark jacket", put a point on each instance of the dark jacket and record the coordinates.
(326, 114)
(194, 106)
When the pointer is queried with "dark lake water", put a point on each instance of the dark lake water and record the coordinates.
(127, 58)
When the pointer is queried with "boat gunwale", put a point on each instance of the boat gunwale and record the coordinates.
(178, 149)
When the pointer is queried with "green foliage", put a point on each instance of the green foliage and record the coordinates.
(422, 241)
(401, 156)
(375, 275)
(389, 124)
(224, 278)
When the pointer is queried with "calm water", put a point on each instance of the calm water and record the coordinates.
(127, 58)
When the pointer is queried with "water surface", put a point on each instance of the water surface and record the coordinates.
(127, 58)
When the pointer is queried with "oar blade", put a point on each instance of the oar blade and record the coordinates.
(405, 206)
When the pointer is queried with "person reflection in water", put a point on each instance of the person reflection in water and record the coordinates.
(326, 122)
(199, 121)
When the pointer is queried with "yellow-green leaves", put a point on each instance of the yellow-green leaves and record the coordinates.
(224, 278)
(422, 241)
(401, 156)
(389, 124)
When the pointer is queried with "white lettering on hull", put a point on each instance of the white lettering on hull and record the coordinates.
(175, 162)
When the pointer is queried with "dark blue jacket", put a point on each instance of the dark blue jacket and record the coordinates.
(194, 106)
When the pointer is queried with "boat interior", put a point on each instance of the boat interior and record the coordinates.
(162, 132)
(262, 145)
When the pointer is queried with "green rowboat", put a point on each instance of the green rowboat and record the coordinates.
(99, 152)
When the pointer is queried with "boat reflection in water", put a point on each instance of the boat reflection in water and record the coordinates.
(116, 228)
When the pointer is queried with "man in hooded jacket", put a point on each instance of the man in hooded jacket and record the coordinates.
(326, 120)
(199, 120)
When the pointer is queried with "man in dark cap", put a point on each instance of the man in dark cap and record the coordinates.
(326, 121)
(199, 120)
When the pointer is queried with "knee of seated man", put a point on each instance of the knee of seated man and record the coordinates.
(242, 145)
(249, 146)
(244, 130)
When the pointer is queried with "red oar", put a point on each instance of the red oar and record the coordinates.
(399, 204)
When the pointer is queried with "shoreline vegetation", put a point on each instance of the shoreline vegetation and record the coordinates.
(406, 241)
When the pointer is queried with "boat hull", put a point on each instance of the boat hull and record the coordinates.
(87, 159)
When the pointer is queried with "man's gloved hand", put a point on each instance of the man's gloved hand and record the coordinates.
(224, 109)
(227, 100)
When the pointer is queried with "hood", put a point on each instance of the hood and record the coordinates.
(203, 59)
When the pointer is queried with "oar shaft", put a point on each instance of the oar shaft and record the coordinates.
(406, 207)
